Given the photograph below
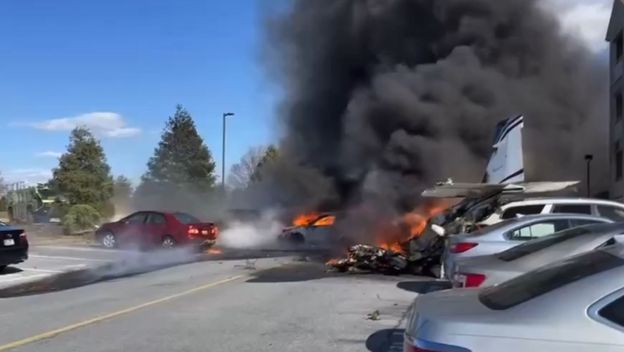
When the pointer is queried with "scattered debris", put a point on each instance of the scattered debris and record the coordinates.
(373, 316)
(370, 258)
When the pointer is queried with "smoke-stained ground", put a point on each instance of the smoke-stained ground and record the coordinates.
(382, 98)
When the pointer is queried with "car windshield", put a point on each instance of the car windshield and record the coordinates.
(542, 243)
(541, 281)
(186, 218)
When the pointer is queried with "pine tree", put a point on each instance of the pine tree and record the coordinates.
(181, 159)
(83, 174)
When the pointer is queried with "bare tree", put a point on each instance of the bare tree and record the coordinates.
(242, 172)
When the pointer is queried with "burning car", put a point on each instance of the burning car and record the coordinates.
(314, 230)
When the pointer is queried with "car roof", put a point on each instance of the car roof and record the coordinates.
(596, 232)
(561, 200)
(529, 218)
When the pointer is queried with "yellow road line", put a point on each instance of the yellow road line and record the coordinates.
(84, 323)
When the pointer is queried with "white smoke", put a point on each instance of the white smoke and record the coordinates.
(252, 234)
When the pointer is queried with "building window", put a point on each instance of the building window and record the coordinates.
(618, 106)
(618, 161)
(619, 47)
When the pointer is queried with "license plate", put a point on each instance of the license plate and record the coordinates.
(9, 242)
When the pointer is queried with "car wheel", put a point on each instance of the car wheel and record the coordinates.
(168, 242)
(109, 240)
(2, 267)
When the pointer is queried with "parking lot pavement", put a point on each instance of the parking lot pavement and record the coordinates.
(45, 261)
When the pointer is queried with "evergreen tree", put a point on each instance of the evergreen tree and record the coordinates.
(181, 159)
(83, 175)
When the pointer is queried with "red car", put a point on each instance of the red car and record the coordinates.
(153, 229)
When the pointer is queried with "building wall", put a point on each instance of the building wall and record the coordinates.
(616, 121)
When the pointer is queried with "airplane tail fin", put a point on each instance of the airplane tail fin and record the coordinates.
(506, 165)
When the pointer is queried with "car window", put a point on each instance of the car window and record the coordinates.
(546, 279)
(572, 208)
(541, 243)
(583, 222)
(613, 213)
(156, 219)
(137, 218)
(614, 311)
(539, 229)
(513, 212)
(186, 218)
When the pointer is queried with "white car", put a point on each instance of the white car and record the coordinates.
(574, 305)
(588, 206)
(508, 234)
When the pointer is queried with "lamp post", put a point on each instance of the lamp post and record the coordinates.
(588, 159)
(225, 114)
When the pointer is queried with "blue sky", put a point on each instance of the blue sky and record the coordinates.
(120, 67)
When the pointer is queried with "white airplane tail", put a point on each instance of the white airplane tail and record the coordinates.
(506, 165)
(504, 171)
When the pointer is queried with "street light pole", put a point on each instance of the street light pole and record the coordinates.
(225, 114)
(588, 159)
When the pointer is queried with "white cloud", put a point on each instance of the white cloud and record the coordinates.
(49, 154)
(585, 19)
(104, 124)
(29, 176)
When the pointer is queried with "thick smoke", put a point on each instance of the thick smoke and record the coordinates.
(386, 97)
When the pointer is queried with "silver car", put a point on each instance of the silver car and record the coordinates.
(508, 234)
(492, 269)
(573, 305)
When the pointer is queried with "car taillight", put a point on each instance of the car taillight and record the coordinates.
(473, 280)
(214, 230)
(462, 247)
(192, 231)
(22, 237)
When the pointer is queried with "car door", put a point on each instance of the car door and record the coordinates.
(155, 228)
(131, 231)
(321, 231)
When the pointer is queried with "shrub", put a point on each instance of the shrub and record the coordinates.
(81, 218)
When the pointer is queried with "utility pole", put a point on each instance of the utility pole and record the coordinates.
(225, 114)
(588, 159)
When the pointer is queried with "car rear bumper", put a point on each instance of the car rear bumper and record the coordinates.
(13, 255)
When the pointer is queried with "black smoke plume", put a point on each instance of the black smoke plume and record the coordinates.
(386, 97)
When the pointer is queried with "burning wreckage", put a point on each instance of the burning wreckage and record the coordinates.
(476, 206)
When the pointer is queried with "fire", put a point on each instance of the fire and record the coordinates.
(314, 219)
(305, 219)
(215, 251)
(393, 236)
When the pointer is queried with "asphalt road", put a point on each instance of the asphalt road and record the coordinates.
(268, 304)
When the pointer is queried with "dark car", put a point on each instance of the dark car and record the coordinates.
(13, 245)
(154, 229)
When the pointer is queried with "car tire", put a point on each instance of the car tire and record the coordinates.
(109, 240)
(168, 242)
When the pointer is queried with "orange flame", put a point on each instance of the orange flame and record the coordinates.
(314, 219)
(394, 236)
(215, 251)
(304, 219)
